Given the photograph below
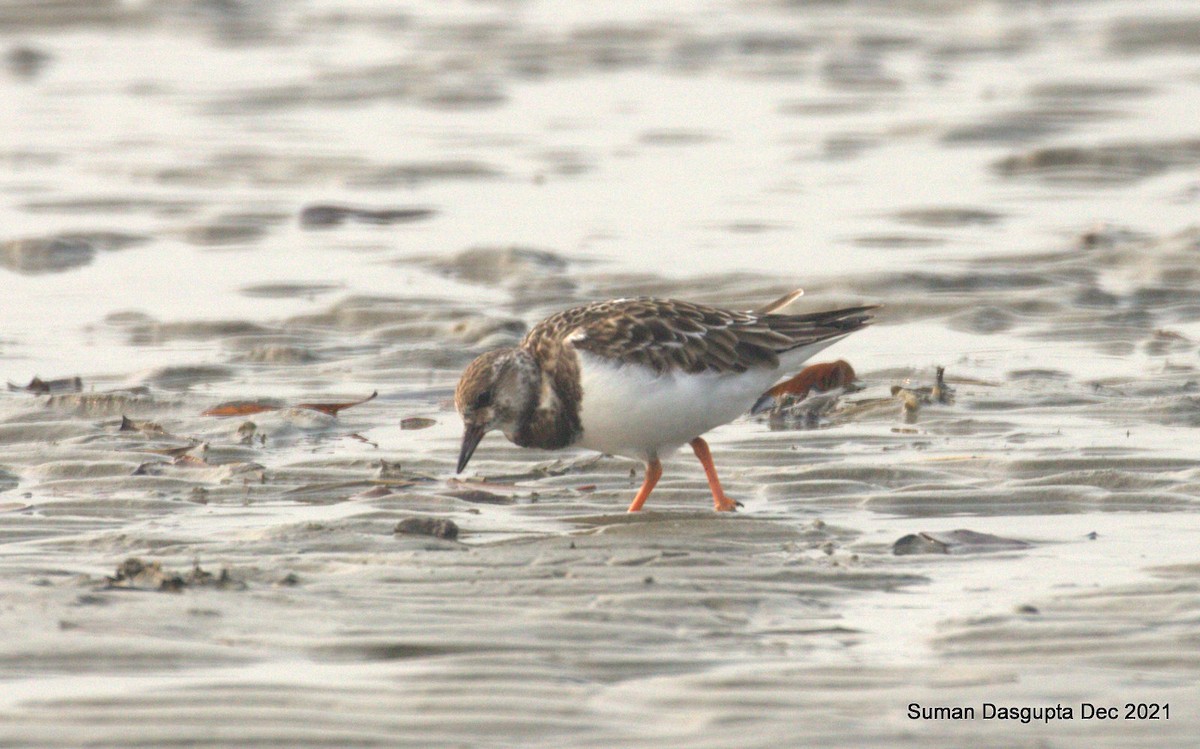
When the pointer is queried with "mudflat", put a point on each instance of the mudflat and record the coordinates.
(224, 226)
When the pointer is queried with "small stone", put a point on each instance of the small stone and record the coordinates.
(26, 62)
(918, 543)
(245, 433)
(436, 527)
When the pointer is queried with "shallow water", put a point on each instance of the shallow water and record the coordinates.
(308, 202)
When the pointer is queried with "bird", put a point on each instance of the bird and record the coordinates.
(640, 377)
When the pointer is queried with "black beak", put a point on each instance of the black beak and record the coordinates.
(471, 437)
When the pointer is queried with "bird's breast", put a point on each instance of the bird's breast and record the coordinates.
(552, 422)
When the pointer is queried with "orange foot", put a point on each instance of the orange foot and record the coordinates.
(721, 503)
(725, 504)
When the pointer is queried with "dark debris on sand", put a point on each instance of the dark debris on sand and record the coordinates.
(960, 541)
(134, 574)
(425, 526)
(912, 398)
(38, 386)
(325, 216)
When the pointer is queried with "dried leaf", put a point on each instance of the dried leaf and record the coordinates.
(824, 377)
(240, 408)
(333, 408)
(249, 408)
(416, 422)
(820, 377)
(360, 438)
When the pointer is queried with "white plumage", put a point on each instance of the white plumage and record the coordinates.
(632, 411)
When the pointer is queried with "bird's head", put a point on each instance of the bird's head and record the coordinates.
(496, 391)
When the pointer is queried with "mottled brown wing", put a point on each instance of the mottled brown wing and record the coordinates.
(666, 334)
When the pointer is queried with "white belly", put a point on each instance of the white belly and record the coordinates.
(634, 412)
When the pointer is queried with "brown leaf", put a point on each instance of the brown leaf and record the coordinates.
(333, 408)
(240, 408)
(819, 377)
(416, 422)
(248, 408)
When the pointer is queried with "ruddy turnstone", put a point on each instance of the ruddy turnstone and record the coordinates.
(640, 377)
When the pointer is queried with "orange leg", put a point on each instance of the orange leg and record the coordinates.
(653, 474)
(720, 502)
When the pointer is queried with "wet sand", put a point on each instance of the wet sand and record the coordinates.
(286, 204)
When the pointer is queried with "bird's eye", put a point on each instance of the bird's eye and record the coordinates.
(483, 400)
